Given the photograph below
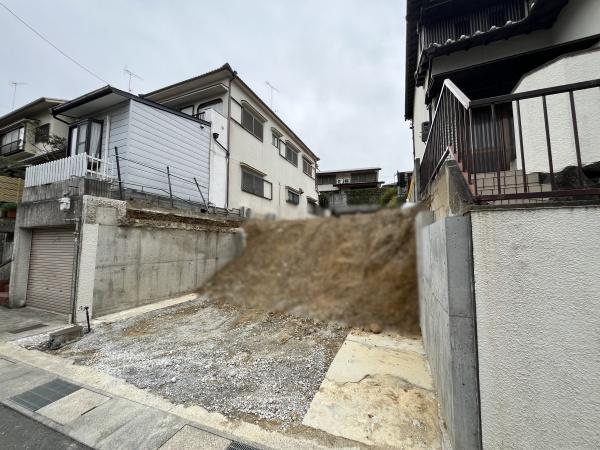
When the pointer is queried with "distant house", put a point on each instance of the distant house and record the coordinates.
(257, 161)
(349, 186)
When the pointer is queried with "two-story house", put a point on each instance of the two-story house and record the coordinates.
(340, 188)
(504, 99)
(25, 136)
(256, 161)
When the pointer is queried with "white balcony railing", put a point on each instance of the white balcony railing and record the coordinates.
(82, 165)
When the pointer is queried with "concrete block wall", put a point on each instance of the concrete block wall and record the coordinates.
(446, 306)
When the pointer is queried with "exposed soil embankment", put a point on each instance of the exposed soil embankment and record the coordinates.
(356, 270)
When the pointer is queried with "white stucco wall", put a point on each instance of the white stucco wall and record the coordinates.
(538, 327)
(262, 155)
(218, 158)
(420, 115)
(573, 68)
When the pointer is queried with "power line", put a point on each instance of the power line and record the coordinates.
(41, 36)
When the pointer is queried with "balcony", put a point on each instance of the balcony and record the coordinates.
(527, 147)
(78, 166)
(11, 148)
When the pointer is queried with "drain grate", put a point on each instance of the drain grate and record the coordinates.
(28, 328)
(45, 394)
(239, 446)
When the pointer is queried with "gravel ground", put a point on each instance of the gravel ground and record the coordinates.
(243, 363)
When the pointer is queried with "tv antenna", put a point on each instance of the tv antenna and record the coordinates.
(131, 75)
(272, 89)
(15, 85)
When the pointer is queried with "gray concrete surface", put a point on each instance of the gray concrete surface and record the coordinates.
(19, 432)
(446, 304)
(95, 418)
(137, 265)
(19, 318)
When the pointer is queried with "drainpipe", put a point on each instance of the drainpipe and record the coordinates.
(228, 138)
(75, 270)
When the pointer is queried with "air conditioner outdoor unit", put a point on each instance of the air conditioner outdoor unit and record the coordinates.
(339, 181)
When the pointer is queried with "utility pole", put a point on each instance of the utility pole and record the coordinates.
(131, 75)
(15, 84)
(272, 88)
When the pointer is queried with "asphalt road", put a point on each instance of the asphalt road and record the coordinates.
(18, 432)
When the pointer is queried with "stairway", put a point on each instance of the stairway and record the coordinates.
(4, 292)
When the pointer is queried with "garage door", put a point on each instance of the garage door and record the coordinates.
(50, 269)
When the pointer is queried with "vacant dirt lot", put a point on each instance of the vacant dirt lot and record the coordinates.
(247, 364)
(355, 270)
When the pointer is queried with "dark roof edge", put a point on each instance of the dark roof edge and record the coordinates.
(30, 104)
(106, 90)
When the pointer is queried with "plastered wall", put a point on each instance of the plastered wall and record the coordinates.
(538, 326)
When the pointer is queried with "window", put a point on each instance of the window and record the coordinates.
(187, 110)
(276, 139)
(293, 197)
(252, 123)
(291, 154)
(307, 167)
(42, 133)
(462, 27)
(364, 177)
(326, 179)
(12, 141)
(86, 137)
(256, 184)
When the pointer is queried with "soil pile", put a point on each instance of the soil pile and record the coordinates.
(357, 270)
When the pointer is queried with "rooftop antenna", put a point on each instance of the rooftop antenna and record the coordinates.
(15, 84)
(272, 88)
(131, 75)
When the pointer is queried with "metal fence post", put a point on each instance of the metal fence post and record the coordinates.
(170, 190)
(119, 173)
(199, 190)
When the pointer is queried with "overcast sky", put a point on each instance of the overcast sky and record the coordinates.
(339, 64)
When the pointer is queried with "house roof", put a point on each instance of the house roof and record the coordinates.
(542, 14)
(39, 105)
(359, 169)
(106, 97)
(225, 69)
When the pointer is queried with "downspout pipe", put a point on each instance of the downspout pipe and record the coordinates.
(234, 75)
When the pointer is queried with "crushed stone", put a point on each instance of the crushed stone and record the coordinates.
(244, 363)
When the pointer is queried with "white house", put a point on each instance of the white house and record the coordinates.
(256, 160)
(503, 98)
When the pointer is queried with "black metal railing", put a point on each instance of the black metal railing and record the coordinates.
(486, 138)
(11, 147)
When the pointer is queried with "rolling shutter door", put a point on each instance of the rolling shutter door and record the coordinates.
(50, 270)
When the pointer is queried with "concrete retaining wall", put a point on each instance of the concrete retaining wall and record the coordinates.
(447, 322)
(135, 266)
(538, 326)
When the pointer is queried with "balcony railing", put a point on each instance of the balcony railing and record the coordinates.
(82, 165)
(531, 145)
(11, 147)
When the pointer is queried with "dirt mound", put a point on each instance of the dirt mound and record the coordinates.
(356, 270)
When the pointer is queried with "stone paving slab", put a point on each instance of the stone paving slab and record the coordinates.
(69, 408)
(192, 438)
(378, 391)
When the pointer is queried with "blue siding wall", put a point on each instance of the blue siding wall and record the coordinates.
(118, 129)
(158, 139)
